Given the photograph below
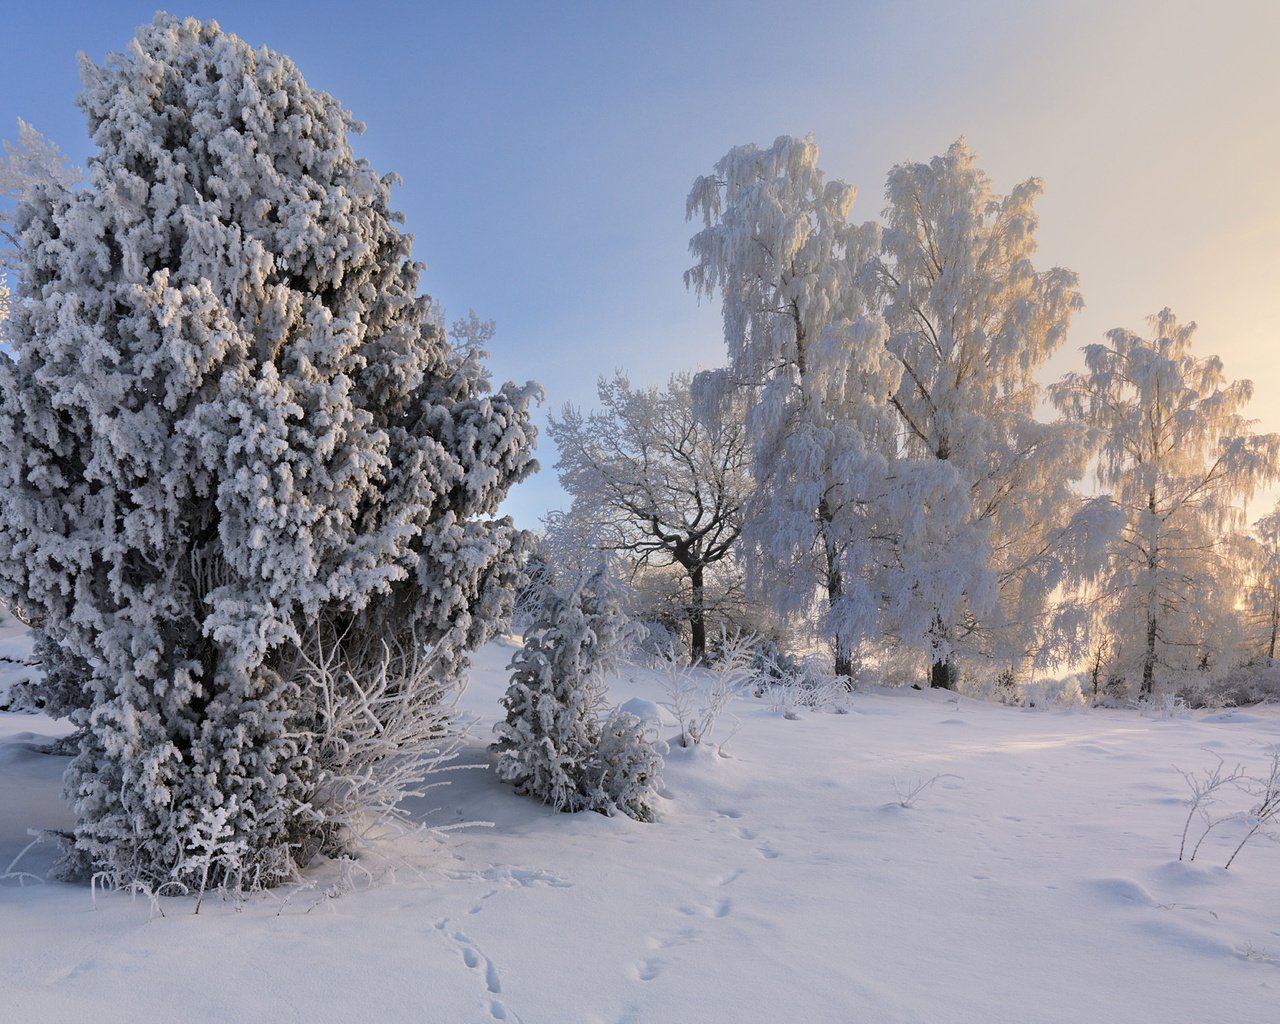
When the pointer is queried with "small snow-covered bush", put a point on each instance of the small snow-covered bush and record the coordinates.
(1232, 687)
(658, 642)
(552, 744)
(628, 767)
(1041, 694)
(1052, 693)
(1262, 818)
(384, 731)
(769, 664)
(790, 683)
(1164, 706)
(698, 697)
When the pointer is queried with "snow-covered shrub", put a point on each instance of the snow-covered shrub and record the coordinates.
(770, 665)
(1044, 694)
(230, 417)
(1261, 818)
(1006, 687)
(790, 683)
(657, 642)
(1164, 706)
(628, 768)
(384, 731)
(698, 697)
(549, 745)
(1236, 686)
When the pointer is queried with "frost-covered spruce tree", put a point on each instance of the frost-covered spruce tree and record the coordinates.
(548, 745)
(233, 441)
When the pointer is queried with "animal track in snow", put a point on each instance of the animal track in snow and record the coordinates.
(673, 938)
(475, 959)
(510, 879)
(716, 908)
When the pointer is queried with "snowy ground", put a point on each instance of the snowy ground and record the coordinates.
(1036, 880)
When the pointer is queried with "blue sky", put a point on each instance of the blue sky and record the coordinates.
(546, 149)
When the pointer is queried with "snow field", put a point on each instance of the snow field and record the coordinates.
(1035, 880)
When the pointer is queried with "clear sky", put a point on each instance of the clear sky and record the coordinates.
(547, 148)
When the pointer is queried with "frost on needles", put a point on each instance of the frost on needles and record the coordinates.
(554, 744)
(234, 438)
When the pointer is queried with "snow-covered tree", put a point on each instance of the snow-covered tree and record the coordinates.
(550, 744)
(1179, 457)
(969, 321)
(1259, 556)
(898, 461)
(776, 248)
(657, 485)
(232, 437)
(32, 160)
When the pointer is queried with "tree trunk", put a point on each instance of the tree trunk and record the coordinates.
(697, 619)
(835, 589)
(1275, 628)
(942, 673)
(1149, 659)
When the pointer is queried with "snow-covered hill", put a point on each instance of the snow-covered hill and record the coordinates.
(1036, 879)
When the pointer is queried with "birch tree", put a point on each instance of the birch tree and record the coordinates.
(777, 249)
(1179, 457)
(1258, 559)
(32, 160)
(968, 321)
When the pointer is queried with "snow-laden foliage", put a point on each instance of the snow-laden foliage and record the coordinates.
(1258, 559)
(552, 743)
(32, 160)
(899, 465)
(1178, 456)
(699, 698)
(830, 501)
(968, 321)
(659, 487)
(233, 430)
(627, 769)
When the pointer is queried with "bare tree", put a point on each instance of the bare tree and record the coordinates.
(655, 483)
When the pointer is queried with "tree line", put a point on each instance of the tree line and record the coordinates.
(877, 460)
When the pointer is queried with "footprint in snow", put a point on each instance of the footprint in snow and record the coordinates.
(475, 959)
(717, 908)
(673, 938)
(648, 970)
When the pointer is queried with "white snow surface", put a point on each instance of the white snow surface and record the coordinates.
(1036, 880)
